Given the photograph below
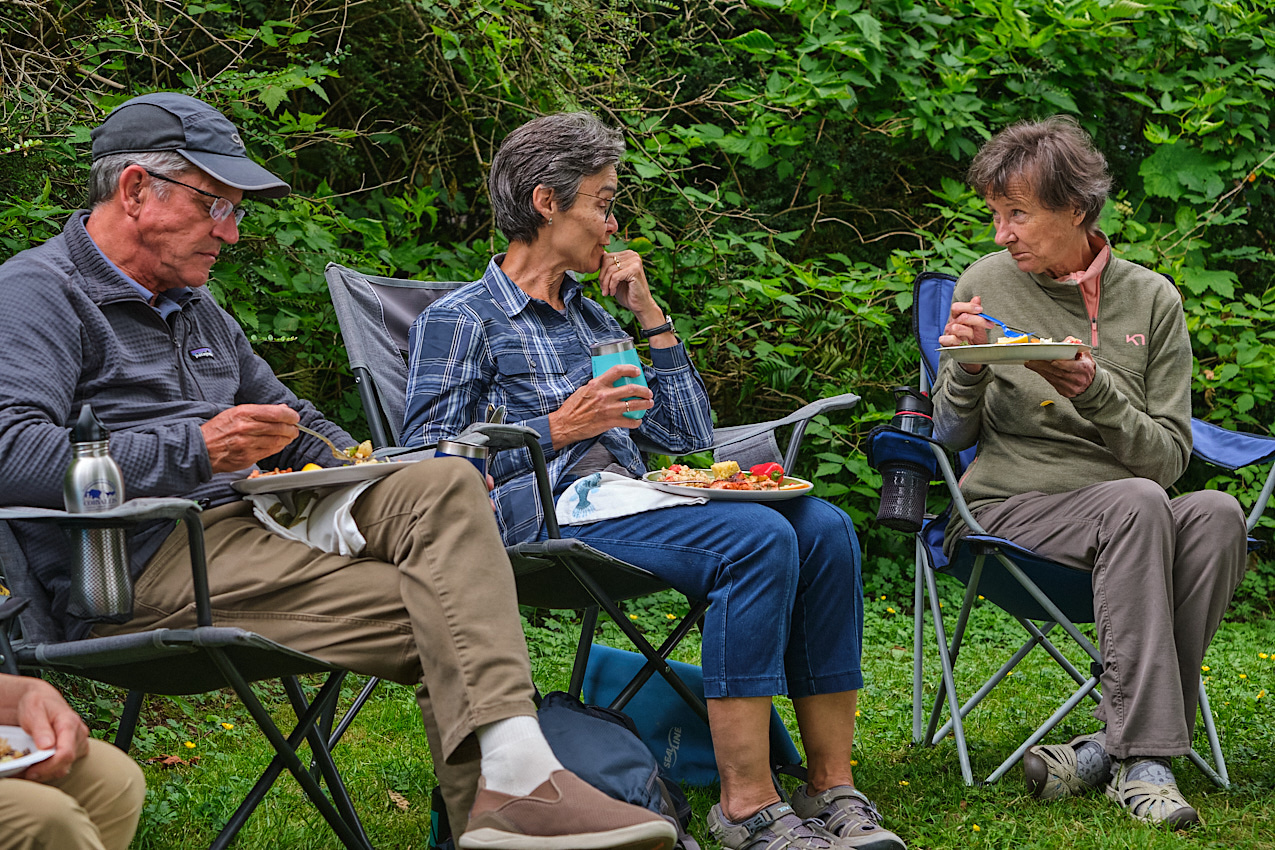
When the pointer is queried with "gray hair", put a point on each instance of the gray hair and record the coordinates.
(1055, 157)
(104, 176)
(557, 151)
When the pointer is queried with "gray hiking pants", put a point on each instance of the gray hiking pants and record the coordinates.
(1163, 573)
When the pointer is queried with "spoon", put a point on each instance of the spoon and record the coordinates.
(335, 451)
(1013, 333)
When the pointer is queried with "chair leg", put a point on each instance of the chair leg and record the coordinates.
(588, 624)
(351, 837)
(1219, 776)
(918, 640)
(128, 719)
(948, 683)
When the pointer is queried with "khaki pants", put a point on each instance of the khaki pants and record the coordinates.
(431, 602)
(1163, 573)
(94, 807)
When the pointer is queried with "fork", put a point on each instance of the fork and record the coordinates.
(1013, 333)
(340, 455)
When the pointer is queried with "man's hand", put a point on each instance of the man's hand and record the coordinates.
(52, 724)
(242, 435)
(1069, 377)
(966, 326)
(599, 406)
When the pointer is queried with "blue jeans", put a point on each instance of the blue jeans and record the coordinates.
(782, 579)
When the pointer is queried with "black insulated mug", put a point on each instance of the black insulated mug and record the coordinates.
(904, 483)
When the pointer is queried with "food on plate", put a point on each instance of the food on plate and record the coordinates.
(9, 753)
(725, 469)
(1023, 340)
(726, 475)
(362, 453)
(257, 473)
(310, 467)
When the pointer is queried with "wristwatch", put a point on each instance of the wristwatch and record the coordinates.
(647, 333)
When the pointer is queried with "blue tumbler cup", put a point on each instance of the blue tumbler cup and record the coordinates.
(477, 455)
(613, 353)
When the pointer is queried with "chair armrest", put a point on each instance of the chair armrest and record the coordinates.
(131, 513)
(501, 437)
(799, 418)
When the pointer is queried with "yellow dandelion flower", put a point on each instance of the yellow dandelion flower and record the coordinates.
(882, 598)
(670, 616)
(227, 726)
(1204, 668)
(980, 596)
(903, 782)
(633, 616)
(854, 762)
(856, 712)
(889, 610)
(190, 745)
(1261, 693)
(1262, 655)
(1243, 675)
(976, 828)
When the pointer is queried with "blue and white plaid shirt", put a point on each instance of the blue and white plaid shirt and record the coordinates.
(489, 343)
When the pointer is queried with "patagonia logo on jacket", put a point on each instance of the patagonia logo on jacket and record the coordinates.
(200, 353)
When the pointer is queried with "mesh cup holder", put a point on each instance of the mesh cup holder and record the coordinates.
(904, 486)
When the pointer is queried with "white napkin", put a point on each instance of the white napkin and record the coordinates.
(321, 518)
(605, 495)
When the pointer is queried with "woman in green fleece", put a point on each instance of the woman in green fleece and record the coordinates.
(1075, 455)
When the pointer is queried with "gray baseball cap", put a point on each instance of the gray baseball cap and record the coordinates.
(169, 121)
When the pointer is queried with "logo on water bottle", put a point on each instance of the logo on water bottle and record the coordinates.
(100, 495)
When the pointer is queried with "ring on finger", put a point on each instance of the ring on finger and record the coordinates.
(626, 405)
(617, 261)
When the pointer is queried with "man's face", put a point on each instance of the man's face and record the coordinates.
(178, 240)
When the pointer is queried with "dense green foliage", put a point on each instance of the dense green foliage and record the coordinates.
(791, 165)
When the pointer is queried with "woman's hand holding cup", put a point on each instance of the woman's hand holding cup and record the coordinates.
(600, 405)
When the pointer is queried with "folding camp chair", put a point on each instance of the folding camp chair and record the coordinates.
(179, 661)
(1040, 594)
(375, 314)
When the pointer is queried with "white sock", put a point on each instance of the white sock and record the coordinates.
(516, 758)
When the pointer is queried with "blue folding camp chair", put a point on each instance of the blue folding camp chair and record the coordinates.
(1040, 594)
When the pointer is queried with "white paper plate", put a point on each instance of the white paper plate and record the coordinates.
(735, 495)
(20, 740)
(1016, 352)
(333, 477)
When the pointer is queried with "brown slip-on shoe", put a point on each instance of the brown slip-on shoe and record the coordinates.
(563, 813)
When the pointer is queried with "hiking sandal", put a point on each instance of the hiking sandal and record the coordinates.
(1153, 802)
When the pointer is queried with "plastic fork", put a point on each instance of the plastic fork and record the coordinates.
(1010, 332)
(340, 455)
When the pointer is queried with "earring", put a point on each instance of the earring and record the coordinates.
(551, 219)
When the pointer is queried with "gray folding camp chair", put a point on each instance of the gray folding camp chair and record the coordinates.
(179, 661)
(1039, 594)
(375, 314)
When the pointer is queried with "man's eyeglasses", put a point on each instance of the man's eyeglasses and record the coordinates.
(221, 208)
(610, 207)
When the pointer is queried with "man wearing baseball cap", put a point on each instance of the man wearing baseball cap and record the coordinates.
(112, 312)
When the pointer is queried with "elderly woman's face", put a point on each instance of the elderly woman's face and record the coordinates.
(1041, 241)
(583, 233)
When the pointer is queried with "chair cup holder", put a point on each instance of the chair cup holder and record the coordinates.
(904, 487)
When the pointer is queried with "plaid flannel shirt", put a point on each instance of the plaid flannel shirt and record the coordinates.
(489, 343)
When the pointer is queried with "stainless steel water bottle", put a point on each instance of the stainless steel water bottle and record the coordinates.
(101, 585)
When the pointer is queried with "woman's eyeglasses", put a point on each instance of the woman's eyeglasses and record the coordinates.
(610, 207)
(221, 208)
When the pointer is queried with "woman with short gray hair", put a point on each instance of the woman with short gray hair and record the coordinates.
(1075, 455)
(782, 577)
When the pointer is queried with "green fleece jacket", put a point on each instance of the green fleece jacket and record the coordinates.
(1134, 420)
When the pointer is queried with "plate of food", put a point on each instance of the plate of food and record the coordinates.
(726, 482)
(18, 751)
(1016, 350)
(364, 468)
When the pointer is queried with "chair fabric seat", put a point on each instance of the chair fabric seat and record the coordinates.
(160, 661)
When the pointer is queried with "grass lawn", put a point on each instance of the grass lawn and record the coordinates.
(919, 790)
